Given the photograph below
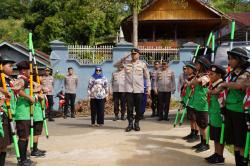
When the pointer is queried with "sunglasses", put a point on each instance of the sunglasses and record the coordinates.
(98, 70)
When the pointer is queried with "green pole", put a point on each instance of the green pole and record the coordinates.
(196, 52)
(182, 116)
(208, 132)
(222, 132)
(208, 42)
(31, 92)
(213, 48)
(232, 34)
(176, 117)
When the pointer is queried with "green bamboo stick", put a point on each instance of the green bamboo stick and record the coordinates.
(176, 117)
(183, 115)
(196, 52)
(213, 48)
(232, 34)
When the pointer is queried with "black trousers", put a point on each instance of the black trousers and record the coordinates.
(69, 100)
(119, 102)
(164, 103)
(154, 105)
(97, 109)
(50, 104)
(134, 101)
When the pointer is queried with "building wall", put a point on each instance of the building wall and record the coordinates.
(60, 63)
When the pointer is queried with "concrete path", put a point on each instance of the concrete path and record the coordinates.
(73, 142)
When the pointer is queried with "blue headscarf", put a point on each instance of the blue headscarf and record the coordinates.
(97, 76)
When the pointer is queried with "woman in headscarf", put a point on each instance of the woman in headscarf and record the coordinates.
(98, 91)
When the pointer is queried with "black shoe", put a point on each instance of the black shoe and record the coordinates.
(153, 115)
(202, 148)
(136, 126)
(216, 160)
(73, 116)
(64, 116)
(116, 118)
(210, 157)
(193, 138)
(196, 146)
(26, 162)
(42, 151)
(123, 117)
(188, 136)
(37, 154)
(166, 119)
(130, 127)
(51, 119)
(160, 119)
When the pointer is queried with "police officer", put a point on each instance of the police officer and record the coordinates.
(118, 89)
(235, 124)
(135, 72)
(48, 84)
(215, 103)
(154, 96)
(165, 85)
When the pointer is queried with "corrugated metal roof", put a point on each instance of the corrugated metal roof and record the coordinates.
(242, 18)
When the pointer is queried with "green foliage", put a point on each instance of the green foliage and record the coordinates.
(11, 30)
(228, 6)
(74, 21)
(12, 8)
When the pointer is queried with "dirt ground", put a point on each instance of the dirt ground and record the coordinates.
(73, 142)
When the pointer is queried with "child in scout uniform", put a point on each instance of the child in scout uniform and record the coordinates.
(235, 124)
(38, 121)
(5, 133)
(187, 96)
(22, 115)
(215, 103)
(200, 101)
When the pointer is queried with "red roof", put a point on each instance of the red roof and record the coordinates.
(242, 18)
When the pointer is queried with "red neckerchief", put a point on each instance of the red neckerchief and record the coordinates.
(183, 92)
(247, 99)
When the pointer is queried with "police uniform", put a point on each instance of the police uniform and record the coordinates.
(154, 96)
(119, 97)
(48, 84)
(235, 124)
(135, 73)
(165, 85)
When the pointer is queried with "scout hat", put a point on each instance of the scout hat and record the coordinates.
(6, 60)
(218, 69)
(204, 62)
(23, 65)
(240, 53)
(191, 65)
(135, 50)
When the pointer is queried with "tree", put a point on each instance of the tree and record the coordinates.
(12, 8)
(74, 21)
(232, 5)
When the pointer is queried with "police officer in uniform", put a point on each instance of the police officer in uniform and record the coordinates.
(118, 89)
(154, 96)
(135, 72)
(48, 84)
(165, 85)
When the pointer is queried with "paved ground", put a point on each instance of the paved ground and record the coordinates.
(73, 142)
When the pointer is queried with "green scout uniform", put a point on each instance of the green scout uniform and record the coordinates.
(38, 114)
(234, 100)
(188, 90)
(214, 109)
(200, 94)
(23, 107)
